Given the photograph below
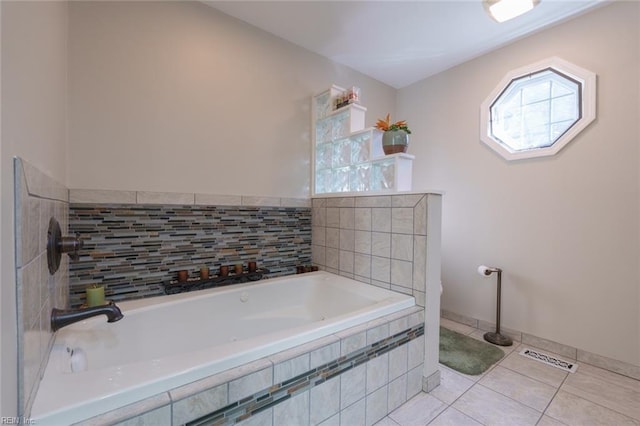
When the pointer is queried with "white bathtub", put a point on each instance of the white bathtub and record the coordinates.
(166, 342)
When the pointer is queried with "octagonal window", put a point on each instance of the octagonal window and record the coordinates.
(538, 109)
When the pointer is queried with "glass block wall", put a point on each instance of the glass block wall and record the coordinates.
(349, 158)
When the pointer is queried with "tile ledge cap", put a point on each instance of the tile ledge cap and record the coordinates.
(242, 197)
(376, 194)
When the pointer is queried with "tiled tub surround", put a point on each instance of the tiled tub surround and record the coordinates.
(307, 380)
(133, 248)
(379, 240)
(269, 317)
(366, 390)
(37, 199)
(389, 241)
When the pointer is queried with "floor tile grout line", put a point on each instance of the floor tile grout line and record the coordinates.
(507, 396)
(512, 399)
(484, 374)
(388, 416)
(533, 378)
(455, 400)
(475, 382)
(607, 372)
(589, 400)
(454, 408)
(600, 405)
(557, 389)
(544, 412)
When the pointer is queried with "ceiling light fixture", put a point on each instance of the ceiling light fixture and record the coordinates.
(503, 10)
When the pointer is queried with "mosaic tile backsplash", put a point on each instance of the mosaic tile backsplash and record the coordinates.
(133, 249)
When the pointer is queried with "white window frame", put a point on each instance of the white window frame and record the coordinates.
(587, 80)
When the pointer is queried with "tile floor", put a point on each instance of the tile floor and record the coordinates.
(519, 391)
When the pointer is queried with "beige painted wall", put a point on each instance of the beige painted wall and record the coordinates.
(566, 228)
(163, 87)
(176, 96)
(34, 117)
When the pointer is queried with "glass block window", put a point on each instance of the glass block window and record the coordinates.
(537, 110)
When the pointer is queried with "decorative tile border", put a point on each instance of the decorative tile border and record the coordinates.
(280, 392)
(132, 249)
(145, 197)
(100, 196)
(40, 184)
(218, 200)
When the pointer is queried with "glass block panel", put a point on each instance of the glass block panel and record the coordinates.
(323, 131)
(323, 105)
(341, 153)
(361, 177)
(324, 153)
(323, 181)
(384, 175)
(360, 148)
(340, 182)
(387, 174)
(340, 126)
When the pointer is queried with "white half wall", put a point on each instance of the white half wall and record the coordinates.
(565, 229)
(34, 126)
(178, 97)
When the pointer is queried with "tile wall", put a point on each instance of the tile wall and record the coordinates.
(133, 244)
(390, 241)
(37, 199)
(379, 240)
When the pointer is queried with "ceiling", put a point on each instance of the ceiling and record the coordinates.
(397, 42)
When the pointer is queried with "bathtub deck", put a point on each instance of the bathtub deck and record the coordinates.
(299, 383)
(124, 368)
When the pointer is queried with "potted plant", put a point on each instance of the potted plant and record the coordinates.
(396, 135)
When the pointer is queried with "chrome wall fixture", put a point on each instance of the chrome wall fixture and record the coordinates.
(491, 337)
(57, 244)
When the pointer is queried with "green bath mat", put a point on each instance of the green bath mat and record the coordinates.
(465, 354)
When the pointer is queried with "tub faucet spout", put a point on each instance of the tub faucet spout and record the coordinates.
(61, 318)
